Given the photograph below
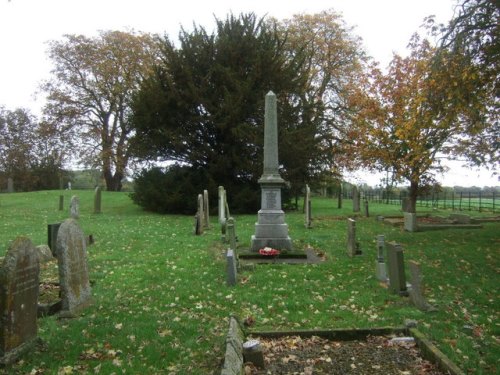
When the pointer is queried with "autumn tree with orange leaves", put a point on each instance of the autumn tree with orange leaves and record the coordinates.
(405, 120)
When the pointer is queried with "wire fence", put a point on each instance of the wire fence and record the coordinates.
(460, 201)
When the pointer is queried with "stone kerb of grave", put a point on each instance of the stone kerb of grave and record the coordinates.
(73, 269)
(19, 278)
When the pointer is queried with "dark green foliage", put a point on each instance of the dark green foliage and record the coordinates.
(205, 105)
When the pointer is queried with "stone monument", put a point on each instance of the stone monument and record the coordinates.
(19, 276)
(271, 229)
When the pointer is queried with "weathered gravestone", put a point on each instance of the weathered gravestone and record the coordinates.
(231, 232)
(307, 208)
(74, 207)
(19, 277)
(97, 200)
(396, 265)
(206, 210)
(410, 222)
(232, 273)
(198, 224)
(52, 230)
(417, 288)
(200, 216)
(76, 294)
(222, 212)
(365, 208)
(356, 195)
(380, 262)
(271, 229)
(10, 185)
(352, 244)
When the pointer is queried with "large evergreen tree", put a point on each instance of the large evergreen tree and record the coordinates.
(205, 105)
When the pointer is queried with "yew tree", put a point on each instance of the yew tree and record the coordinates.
(204, 106)
(90, 93)
(407, 119)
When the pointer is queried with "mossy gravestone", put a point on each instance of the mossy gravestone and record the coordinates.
(73, 269)
(19, 276)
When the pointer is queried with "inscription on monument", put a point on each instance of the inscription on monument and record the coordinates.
(271, 200)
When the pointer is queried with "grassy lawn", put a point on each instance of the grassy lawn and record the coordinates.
(162, 305)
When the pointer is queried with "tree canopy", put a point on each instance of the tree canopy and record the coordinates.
(90, 93)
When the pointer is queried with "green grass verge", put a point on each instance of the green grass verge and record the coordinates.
(162, 305)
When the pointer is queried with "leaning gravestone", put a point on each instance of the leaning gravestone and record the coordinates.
(271, 229)
(74, 207)
(355, 199)
(396, 265)
(73, 269)
(417, 288)
(19, 278)
(97, 200)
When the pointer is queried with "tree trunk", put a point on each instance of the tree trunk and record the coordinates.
(413, 197)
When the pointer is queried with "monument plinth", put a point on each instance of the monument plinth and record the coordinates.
(271, 229)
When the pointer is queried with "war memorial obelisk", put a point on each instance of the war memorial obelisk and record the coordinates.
(271, 229)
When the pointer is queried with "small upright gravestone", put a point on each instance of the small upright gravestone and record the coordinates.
(380, 262)
(365, 208)
(74, 207)
(232, 274)
(10, 185)
(352, 244)
(206, 210)
(73, 269)
(198, 227)
(222, 212)
(97, 200)
(19, 277)
(355, 199)
(395, 260)
(307, 208)
(199, 216)
(410, 221)
(417, 288)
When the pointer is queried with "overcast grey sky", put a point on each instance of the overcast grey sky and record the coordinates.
(26, 25)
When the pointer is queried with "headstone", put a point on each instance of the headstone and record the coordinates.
(44, 253)
(10, 185)
(52, 230)
(61, 202)
(271, 229)
(198, 226)
(252, 352)
(222, 212)
(381, 271)
(307, 208)
(395, 262)
(231, 232)
(417, 288)
(410, 221)
(19, 277)
(73, 269)
(200, 213)
(206, 209)
(355, 199)
(97, 200)
(352, 244)
(74, 207)
(232, 274)
(365, 208)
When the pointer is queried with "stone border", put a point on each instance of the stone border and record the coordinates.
(295, 257)
(236, 336)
